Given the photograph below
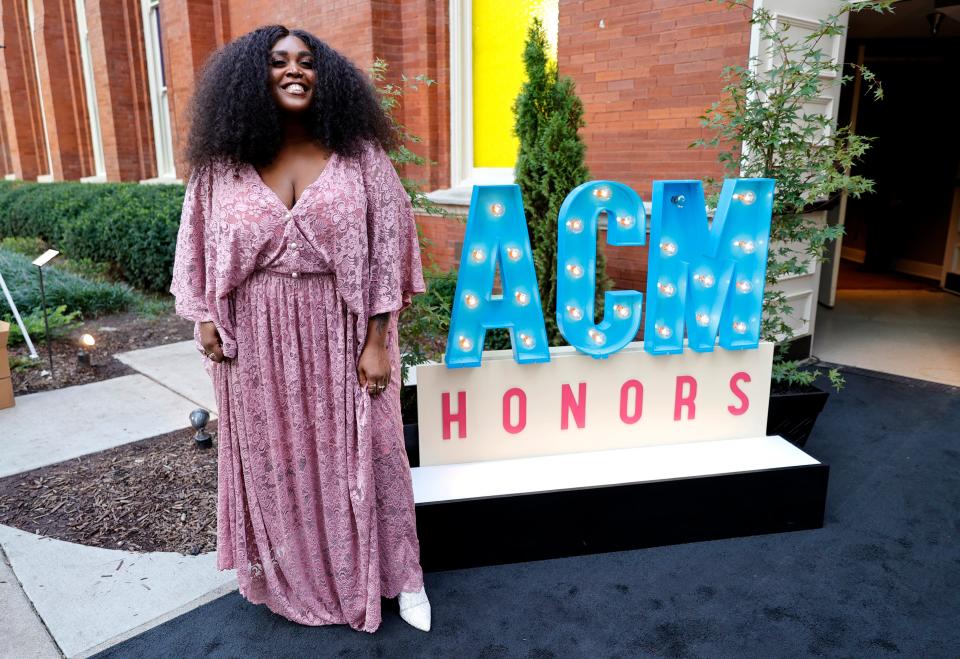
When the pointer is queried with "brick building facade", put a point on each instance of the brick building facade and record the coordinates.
(645, 71)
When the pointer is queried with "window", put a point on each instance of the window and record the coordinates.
(159, 103)
(486, 72)
(91, 89)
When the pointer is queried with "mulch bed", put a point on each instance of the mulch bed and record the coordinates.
(113, 333)
(158, 494)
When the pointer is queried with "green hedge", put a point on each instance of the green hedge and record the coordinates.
(131, 226)
(90, 298)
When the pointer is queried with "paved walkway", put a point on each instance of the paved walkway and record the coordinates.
(112, 594)
(915, 334)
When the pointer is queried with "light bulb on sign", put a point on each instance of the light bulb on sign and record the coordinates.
(522, 298)
(514, 253)
(622, 310)
(575, 270)
(746, 198)
(598, 337)
(464, 342)
(705, 280)
(527, 341)
(744, 286)
(740, 327)
(497, 209)
(703, 319)
(575, 225)
(668, 248)
(664, 332)
(478, 255)
(626, 221)
(471, 300)
(666, 289)
(746, 245)
(574, 312)
(602, 192)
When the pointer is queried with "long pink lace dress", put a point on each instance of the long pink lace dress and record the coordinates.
(314, 503)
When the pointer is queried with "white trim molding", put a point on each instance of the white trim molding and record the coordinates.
(463, 175)
(86, 58)
(159, 100)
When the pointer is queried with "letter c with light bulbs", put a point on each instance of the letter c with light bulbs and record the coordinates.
(700, 374)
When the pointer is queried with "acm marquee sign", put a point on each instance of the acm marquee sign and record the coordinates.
(700, 374)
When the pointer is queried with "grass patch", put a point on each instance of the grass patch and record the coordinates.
(62, 288)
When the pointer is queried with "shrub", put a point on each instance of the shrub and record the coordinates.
(61, 288)
(424, 324)
(58, 320)
(32, 247)
(131, 228)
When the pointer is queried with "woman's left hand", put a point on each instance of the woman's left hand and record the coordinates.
(373, 369)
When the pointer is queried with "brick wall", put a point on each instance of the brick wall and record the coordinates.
(26, 143)
(645, 77)
(120, 72)
(64, 98)
(191, 31)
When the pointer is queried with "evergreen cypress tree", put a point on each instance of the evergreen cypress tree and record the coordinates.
(550, 163)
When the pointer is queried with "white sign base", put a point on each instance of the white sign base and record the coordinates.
(576, 404)
(554, 473)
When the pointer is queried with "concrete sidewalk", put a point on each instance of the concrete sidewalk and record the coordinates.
(52, 426)
(61, 598)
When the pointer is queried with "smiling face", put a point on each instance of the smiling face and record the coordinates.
(292, 74)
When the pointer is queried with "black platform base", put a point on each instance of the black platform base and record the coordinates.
(507, 529)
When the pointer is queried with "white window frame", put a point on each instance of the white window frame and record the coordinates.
(32, 19)
(159, 99)
(89, 85)
(463, 175)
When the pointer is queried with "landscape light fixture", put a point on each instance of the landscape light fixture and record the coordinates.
(85, 356)
(41, 261)
(198, 419)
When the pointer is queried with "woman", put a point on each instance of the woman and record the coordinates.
(296, 251)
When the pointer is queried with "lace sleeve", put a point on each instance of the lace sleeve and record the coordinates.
(396, 273)
(189, 264)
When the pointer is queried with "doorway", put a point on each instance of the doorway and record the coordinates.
(885, 287)
(902, 229)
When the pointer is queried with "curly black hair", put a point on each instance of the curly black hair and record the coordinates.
(234, 117)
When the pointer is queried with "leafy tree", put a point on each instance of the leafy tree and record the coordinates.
(762, 130)
(550, 163)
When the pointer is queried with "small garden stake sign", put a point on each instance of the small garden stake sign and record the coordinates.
(705, 282)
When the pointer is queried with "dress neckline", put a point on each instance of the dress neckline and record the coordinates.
(303, 193)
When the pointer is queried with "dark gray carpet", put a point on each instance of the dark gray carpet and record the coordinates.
(882, 578)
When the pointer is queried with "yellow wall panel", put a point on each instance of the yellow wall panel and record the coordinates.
(499, 33)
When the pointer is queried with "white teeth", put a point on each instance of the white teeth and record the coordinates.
(296, 89)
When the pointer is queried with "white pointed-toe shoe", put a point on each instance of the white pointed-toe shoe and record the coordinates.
(415, 609)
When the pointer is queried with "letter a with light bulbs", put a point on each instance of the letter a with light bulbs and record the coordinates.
(700, 374)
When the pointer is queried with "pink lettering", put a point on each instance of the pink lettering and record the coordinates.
(576, 406)
(687, 399)
(625, 414)
(735, 381)
(448, 417)
(508, 425)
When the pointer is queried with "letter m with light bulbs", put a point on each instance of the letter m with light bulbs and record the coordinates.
(701, 372)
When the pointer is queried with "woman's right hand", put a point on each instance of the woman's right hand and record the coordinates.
(210, 340)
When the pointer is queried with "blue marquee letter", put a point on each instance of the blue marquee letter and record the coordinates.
(577, 263)
(707, 278)
(496, 232)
